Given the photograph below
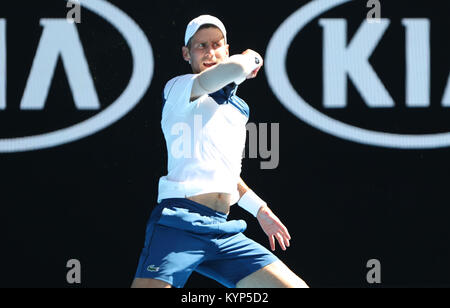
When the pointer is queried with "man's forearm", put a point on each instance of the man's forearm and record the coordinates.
(251, 202)
(242, 188)
(236, 69)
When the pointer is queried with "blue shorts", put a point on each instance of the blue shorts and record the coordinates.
(184, 236)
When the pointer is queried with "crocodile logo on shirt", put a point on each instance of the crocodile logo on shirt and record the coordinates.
(152, 268)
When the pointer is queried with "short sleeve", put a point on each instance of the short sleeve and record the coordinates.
(177, 93)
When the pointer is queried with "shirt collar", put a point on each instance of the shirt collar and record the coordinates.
(225, 94)
(230, 90)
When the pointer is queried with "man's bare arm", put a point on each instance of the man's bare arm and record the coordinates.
(269, 222)
(242, 188)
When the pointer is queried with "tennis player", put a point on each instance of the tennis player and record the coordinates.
(189, 230)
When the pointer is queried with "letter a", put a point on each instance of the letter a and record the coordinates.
(74, 274)
(74, 15)
(374, 275)
(375, 13)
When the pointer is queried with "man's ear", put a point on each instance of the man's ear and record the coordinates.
(186, 54)
(228, 50)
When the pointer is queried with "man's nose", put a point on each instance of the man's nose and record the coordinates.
(210, 51)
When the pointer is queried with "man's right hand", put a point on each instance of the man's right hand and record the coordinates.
(257, 55)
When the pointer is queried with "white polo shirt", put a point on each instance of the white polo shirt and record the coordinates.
(205, 140)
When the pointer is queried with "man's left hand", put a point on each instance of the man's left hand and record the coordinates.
(273, 228)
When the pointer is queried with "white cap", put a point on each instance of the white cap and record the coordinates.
(195, 24)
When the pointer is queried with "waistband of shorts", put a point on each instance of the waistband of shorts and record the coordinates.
(189, 204)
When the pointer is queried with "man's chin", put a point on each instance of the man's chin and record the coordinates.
(203, 68)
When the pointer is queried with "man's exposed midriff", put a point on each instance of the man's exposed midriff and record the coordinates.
(219, 202)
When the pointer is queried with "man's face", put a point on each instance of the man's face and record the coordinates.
(208, 49)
